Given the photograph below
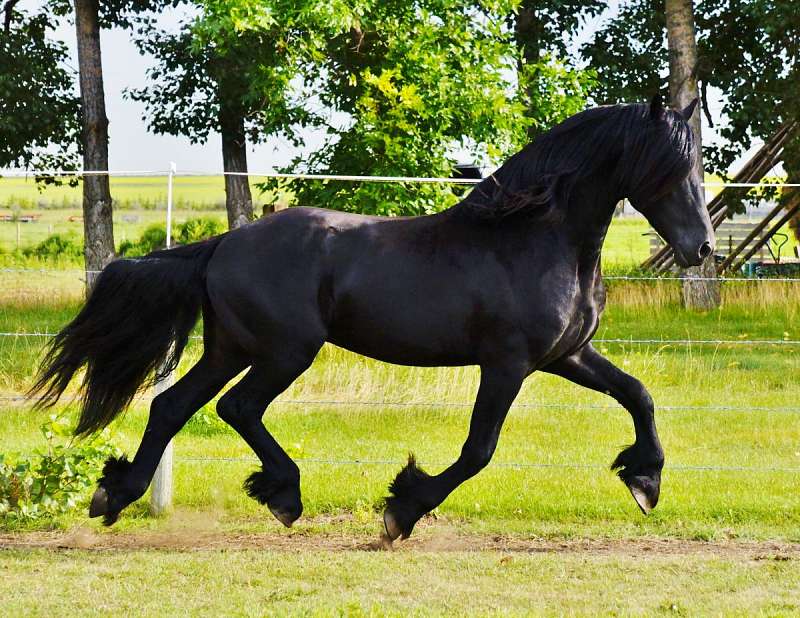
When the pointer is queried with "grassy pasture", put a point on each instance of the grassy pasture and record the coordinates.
(730, 485)
(257, 582)
(549, 477)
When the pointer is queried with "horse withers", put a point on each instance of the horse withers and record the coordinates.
(508, 279)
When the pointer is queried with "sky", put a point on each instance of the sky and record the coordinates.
(133, 147)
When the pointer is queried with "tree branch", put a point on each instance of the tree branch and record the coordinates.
(8, 9)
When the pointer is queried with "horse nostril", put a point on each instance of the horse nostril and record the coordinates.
(705, 250)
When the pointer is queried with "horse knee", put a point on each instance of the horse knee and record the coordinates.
(232, 411)
(638, 397)
(167, 412)
(476, 459)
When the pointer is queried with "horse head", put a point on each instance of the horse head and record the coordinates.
(670, 196)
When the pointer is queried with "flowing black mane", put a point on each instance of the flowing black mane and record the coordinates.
(655, 154)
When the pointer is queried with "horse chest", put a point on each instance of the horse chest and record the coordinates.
(565, 327)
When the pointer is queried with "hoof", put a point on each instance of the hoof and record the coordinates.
(99, 505)
(404, 507)
(282, 516)
(283, 500)
(392, 528)
(645, 492)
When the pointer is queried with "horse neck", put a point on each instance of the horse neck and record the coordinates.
(589, 212)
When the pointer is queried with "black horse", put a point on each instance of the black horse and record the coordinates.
(509, 279)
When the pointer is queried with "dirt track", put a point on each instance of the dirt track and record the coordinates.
(436, 539)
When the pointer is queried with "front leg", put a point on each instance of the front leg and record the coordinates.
(639, 466)
(415, 493)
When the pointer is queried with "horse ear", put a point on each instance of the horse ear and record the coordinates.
(656, 107)
(689, 109)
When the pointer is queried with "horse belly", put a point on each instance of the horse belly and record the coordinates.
(417, 327)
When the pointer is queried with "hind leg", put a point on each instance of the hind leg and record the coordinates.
(123, 481)
(277, 484)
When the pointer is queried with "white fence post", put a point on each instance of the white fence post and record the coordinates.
(161, 487)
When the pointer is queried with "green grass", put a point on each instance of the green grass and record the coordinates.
(549, 497)
(204, 192)
(549, 480)
(352, 583)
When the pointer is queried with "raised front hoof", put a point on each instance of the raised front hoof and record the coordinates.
(645, 492)
(283, 500)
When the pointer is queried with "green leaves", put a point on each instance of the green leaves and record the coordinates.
(54, 480)
(398, 88)
(39, 118)
(750, 51)
(420, 83)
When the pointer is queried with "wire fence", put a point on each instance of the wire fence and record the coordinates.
(527, 465)
(599, 340)
(78, 272)
(175, 172)
(514, 465)
(465, 405)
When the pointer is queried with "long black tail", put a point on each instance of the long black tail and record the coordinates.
(132, 330)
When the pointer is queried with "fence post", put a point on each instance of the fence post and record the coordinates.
(161, 487)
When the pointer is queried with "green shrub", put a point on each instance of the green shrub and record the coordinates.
(206, 422)
(53, 481)
(56, 246)
(198, 229)
(155, 236)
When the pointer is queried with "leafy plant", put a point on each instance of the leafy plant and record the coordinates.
(155, 236)
(55, 480)
(195, 230)
(206, 422)
(56, 246)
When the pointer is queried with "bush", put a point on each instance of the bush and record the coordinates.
(206, 422)
(56, 246)
(155, 236)
(195, 230)
(54, 481)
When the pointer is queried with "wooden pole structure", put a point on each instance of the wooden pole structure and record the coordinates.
(795, 206)
(161, 487)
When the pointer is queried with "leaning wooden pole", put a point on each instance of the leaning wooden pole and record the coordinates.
(742, 246)
(794, 207)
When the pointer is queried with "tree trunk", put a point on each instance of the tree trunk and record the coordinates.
(238, 200)
(683, 89)
(98, 229)
(527, 35)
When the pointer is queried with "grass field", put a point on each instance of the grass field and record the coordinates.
(547, 528)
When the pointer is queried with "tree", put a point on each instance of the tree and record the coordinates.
(98, 225)
(90, 15)
(749, 51)
(541, 29)
(697, 293)
(39, 123)
(418, 80)
(211, 77)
